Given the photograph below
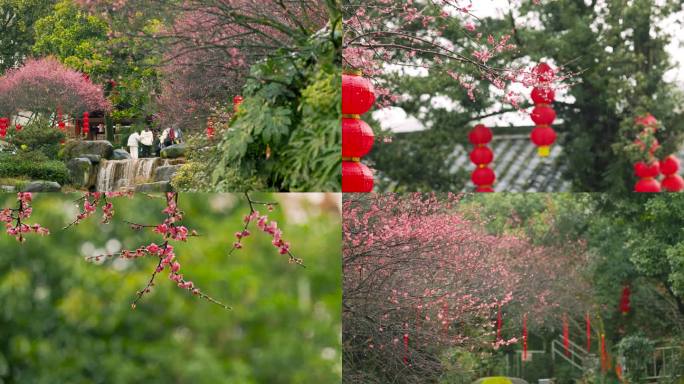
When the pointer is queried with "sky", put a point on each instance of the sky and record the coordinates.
(396, 120)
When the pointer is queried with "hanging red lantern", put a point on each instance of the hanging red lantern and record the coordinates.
(86, 123)
(524, 356)
(406, 348)
(210, 129)
(18, 127)
(647, 174)
(543, 137)
(625, 300)
(237, 100)
(588, 326)
(481, 156)
(60, 120)
(604, 354)
(358, 94)
(649, 121)
(543, 115)
(480, 135)
(4, 123)
(544, 72)
(669, 167)
(566, 335)
(483, 178)
(357, 138)
(356, 177)
(543, 95)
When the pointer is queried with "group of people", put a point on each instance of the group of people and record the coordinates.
(148, 143)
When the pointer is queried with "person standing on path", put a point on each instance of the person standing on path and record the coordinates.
(133, 143)
(146, 140)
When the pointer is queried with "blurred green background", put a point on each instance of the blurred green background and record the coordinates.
(66, 320)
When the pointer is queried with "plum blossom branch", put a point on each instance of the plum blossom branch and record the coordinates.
(15, 218)
(90, 203)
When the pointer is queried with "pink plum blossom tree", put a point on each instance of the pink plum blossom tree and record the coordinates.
(45, 85)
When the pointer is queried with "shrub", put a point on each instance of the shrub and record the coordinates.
(637, 351)
(34, 165)
(39, 136)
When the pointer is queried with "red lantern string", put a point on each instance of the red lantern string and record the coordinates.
(406, 348)
(358, 97)
(60, 122)
(604, 354)
(4, 123)
(525, 337)
(86, 123)
(210, 129)
(499, 323)
(566, 335)
(483, 177)
(588, 321)
(669, 167)
(543, 136)
(625, 301)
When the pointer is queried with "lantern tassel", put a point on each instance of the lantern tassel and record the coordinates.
(566, 335)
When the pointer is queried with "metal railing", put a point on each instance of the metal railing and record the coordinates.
(665, 363)
(575, 355)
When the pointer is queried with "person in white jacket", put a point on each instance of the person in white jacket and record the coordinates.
(133, 143)
(146, 140)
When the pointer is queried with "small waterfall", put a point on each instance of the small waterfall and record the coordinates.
(121, 175)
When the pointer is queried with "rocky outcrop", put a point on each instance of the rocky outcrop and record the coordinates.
(173, 151)
(102, 148)
(159, 186)
(42, 186)
(120, 154)
(166, 172)
(80, 172)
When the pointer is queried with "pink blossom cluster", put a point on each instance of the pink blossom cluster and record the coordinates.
(168, 228)
(44, 85)
(266, 226)
(14, 218)
(92, 200)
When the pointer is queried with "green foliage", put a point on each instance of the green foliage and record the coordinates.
(39, 135)
(34, 165)
(63, 319)
(637, 351)
(286, 133)
(17, 29)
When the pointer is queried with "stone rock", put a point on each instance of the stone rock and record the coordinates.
(166, 172)
(80, 170)
(42, 186)
(120, 154)
(159, 186)
(102, 148)
(94, 159)
(173, 151)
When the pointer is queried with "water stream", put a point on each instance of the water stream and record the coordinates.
(121, 175)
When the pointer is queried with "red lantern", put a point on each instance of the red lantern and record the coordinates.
(60, 121)
(647, 186)
(672, 183)
(357, 138)
(210, 129)
(644, 170)
(648, 121)
(542, 95)
(669, 165)
(543, 137)
(483, 177)
(480, 135)
(543, 115)
(4, 123)
(481, 156)
(604, 354)
(544, 72)
(358, 94)
(18, 127)
(86, 123)
(356, 177)
(406, 348)
(237, 100)
(625, 301)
